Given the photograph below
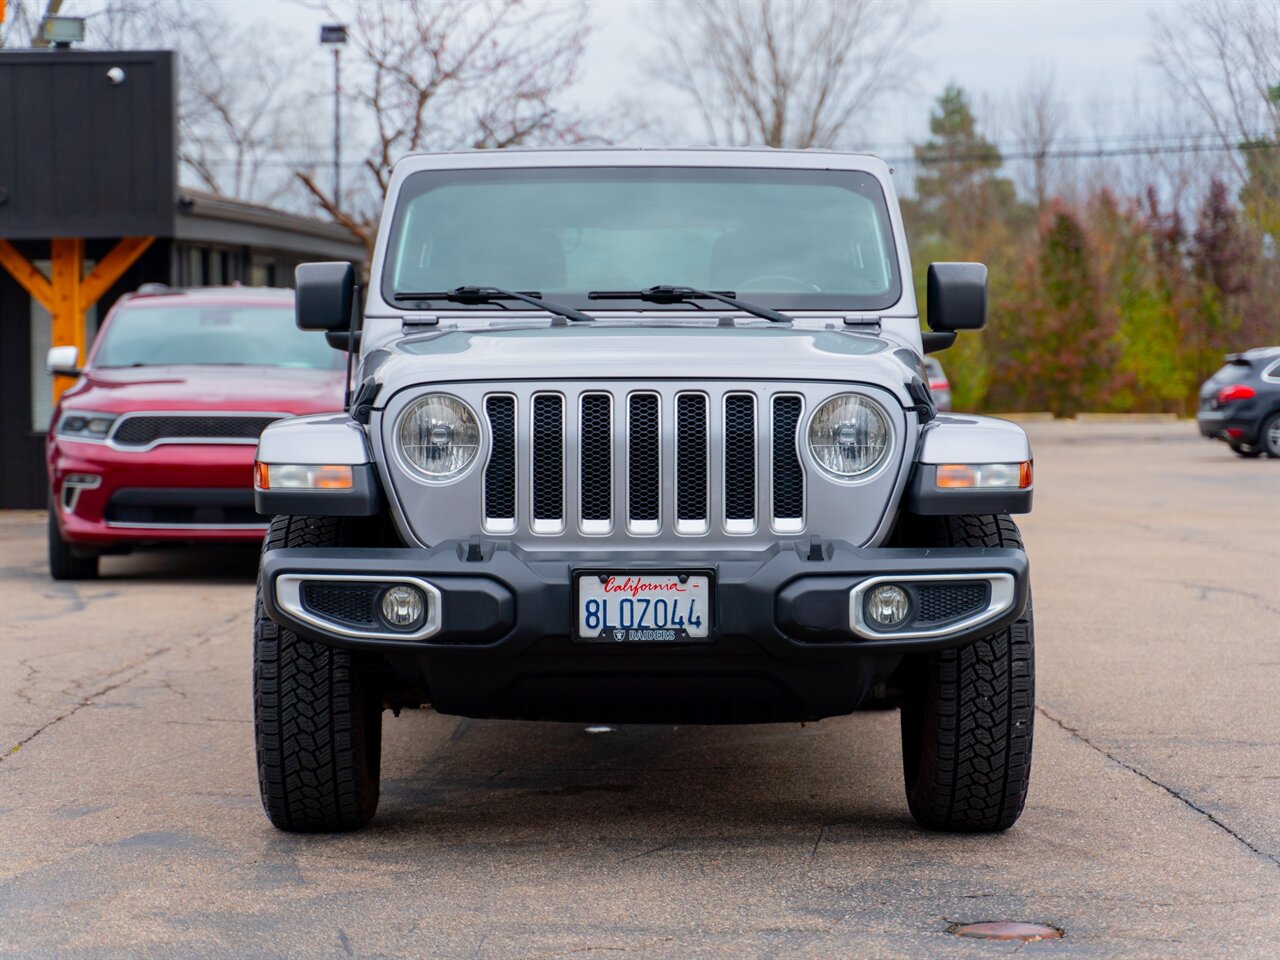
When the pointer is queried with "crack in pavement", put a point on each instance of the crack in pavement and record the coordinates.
(1163, 786)
(1206, 589)
(80, 705)
(85, 700)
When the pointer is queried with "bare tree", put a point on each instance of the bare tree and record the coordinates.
(783, 73)
(451, 74)
(1040, 121)
(1224, 57)
(240, 107)
(21, 25)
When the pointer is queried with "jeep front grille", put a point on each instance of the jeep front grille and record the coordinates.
(636, 462)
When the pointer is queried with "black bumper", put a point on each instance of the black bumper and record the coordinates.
(1215, 423)
(781, 646)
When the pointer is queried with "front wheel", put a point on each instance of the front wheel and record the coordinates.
(967, 712)
(64, 562)
(317, 712)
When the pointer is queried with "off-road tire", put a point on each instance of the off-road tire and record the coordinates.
(64, 563)
(967, 712)
(1269, 437)
(317, 711)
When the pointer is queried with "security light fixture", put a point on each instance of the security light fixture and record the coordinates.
(62, 31)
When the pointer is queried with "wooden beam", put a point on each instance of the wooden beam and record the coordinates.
(111, 268)
(67, 329)
(67, 293)
(29, 278)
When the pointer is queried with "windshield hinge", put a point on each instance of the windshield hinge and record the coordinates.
(362, 402)
(863, 321)
(420, 320)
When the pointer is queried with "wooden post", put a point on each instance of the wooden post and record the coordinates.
(67, 293)
(68, 316)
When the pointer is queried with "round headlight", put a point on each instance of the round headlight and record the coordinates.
(849, 436)
(439, 435)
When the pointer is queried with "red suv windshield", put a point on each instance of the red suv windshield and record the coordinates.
(212, 334)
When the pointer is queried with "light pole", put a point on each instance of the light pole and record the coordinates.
(335, 35)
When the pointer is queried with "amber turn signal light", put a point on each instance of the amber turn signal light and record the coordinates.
(302, 476)
(984, 476)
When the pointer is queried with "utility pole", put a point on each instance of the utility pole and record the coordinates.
(335, 35)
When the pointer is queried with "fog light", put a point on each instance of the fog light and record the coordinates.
(887, 605)
(403, 606)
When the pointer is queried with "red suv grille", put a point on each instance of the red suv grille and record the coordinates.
(139, 431)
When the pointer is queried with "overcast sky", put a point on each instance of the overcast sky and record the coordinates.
(1097, 49)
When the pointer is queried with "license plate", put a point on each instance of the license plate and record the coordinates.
(648, 608)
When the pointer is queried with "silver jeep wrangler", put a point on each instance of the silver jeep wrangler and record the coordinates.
(642, 436)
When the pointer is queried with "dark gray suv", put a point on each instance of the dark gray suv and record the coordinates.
(1241, 403)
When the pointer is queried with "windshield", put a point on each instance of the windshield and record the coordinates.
(783, 238)
(212, 334)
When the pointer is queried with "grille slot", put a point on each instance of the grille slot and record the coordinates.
(740, 463)
(788, 477)
(941, 603)
(548, 463)
(352, 604)
(644, 466)
(500, 474)
(144, 429)
(691, 464)
(596, 447)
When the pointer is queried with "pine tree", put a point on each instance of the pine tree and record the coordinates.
(959, 192)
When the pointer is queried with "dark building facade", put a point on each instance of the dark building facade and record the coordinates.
(90, 209)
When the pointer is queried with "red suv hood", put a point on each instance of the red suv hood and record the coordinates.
(264, 389)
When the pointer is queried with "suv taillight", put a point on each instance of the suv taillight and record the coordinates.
(1237, 391)
(938, 385)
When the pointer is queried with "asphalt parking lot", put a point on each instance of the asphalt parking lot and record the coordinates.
(130, 823)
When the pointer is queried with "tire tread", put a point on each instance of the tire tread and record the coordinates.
(317, 717)
(973, 709)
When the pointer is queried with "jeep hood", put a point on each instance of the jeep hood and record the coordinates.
(639, 353)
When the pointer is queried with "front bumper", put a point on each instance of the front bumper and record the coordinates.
(171, 493)
(782, 645)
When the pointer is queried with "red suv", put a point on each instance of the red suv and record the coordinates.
(155, 442)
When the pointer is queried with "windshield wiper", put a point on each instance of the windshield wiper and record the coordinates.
(494, 294)
(685, 294)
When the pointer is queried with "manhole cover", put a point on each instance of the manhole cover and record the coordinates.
(1005, 930)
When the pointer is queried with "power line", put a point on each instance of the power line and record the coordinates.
(1078, 154)
(1084, 154)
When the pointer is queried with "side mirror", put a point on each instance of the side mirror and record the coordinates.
(957, 296)
(63, 361)
(325, 295)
